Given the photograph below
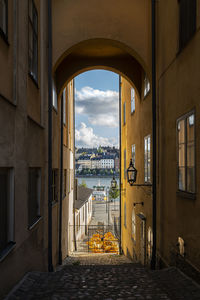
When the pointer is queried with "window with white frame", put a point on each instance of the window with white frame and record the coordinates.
(64, 106)
(4, 17)
(33, 40)
(146, 85)
(149, 243)
(133, 224)
(132, 100)
(54, 96)
(124, 109)
(6, 208)
(147, 158)
(133, 154)
(186, 153)
(34, 191)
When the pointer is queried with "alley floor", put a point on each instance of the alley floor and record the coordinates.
(105, 276)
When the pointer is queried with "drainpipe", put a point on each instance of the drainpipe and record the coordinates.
(50, 194)
(61, 184)
(75, 180)
(153, 260)
(120, 141)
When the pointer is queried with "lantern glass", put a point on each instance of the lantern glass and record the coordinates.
(131, 173)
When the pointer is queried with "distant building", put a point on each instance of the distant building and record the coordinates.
(83, 210)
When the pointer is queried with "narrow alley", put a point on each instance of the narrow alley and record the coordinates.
(105, 276)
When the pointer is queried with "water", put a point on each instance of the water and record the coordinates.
(91, 181)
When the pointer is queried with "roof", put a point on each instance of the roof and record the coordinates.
(83, 195)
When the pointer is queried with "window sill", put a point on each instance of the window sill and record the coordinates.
(34, 80)
(7, 250)
(35, 223)
(4, 37)
(186, 195)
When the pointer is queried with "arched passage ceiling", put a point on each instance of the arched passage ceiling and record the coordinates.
(100, 54)
(110, 34)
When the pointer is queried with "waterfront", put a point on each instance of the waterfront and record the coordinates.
(92, 181)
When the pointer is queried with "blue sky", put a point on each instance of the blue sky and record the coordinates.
(97, 109)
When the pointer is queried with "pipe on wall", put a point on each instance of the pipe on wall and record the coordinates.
(50, 192)
(61, 184)
(154, 138)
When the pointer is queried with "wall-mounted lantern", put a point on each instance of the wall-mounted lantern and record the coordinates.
(131, 173)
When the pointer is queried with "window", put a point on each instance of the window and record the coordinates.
(146, 85)
(55, 99)
(124, 113)
(132, 100)
(64, 182)
(33, 41)
(124, 163)
(4, 17)
(147, 159)
(124, 214)
(34, 190)
(149, 243)
(64, 106)
(133, 225)
(186, 153)
(6, 208)
(55, 185)
(133, 154)
(187, 21)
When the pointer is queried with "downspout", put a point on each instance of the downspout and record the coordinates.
(120, 141)
(61, 184)
(153, 259)
(75, 181)
(50, 194)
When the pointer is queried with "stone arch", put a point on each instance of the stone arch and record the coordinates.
(99, 54)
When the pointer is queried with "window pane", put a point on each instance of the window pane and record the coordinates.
(3, 15)
(132, 100)
(181, 178)
(3, 208)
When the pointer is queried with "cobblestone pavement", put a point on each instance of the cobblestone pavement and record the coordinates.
(105, 277)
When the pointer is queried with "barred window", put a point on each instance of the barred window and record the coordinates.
(33, 40)
(146, 85)
(147, 159)
(133, 154)
(132, 100)
(186, 153)
(187, 21)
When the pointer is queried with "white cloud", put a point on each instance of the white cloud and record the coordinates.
(85, 137)
(101, 107)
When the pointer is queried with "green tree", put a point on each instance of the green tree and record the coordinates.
(114, 193)
(83, 183)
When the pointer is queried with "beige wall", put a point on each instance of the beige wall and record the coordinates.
(138, 126)
(178, 93)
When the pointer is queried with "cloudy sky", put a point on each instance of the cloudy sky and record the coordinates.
(97, 109)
